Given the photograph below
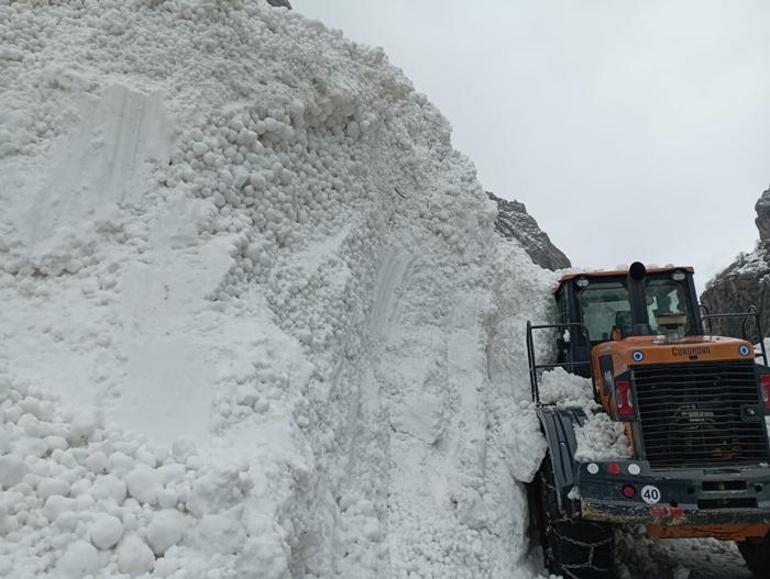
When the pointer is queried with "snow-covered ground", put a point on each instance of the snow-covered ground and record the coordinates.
(255, 320)
(644, 558)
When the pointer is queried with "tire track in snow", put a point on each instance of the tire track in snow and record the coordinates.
(102, 164)
(360, 549)
(105, 160)
(391, 276)
(430, 375)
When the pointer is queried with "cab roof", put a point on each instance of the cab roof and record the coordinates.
(617, 273)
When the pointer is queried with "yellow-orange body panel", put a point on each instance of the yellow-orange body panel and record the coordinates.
(656, 350)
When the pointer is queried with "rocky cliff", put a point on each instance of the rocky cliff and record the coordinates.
(513, 222)
(746, 281)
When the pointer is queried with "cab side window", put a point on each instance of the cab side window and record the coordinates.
(561, 304)
(603, 306)
(561, 318)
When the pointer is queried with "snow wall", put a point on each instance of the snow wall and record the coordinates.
(255, 320)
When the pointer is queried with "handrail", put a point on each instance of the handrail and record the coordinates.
(532, 359)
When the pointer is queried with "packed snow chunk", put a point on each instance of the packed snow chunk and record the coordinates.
(271, 553)
(105, 531)
(524, 451)
(216, 491)
(57, 505)
(601, 439)
(109, 487)
(97, 462)
(165, 530)
(423, 416)
(12, 470)
(48, 487)
(166, 567)
(120, 462)
(167, 498)
(84, 425)
(67, 520)
(566, 390)
(80, 559)
(222, 533)
(8, 524)
(144, 484)
(134, 556)
(183, 448)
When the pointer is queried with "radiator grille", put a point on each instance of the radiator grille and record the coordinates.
(698, 414)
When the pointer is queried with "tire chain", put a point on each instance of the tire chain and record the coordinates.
(553, 526)
(590, 546)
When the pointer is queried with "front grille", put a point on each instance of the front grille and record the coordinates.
(700, 414)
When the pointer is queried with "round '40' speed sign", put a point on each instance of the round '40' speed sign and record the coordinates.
(650, 494)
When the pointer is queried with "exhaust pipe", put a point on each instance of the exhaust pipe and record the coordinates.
(636, 274)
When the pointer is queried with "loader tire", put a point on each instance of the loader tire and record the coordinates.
(756, 553)
(572, 549)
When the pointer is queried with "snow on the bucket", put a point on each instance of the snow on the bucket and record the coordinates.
(255, 319)
(565, 390)
(599, 438)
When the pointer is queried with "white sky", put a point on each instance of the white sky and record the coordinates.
(631, 129)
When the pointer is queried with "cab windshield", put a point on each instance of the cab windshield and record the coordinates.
(665, 296)
(605, 305)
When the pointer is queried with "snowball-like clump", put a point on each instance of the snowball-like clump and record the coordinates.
(144, 483)
(105, 531)
(109, 487)
(165, 530)
(134, 556)
(12, 470)
(80, 559)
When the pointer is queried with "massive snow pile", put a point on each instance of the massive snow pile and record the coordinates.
(255, 320)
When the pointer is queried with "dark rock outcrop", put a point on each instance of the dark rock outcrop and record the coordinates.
(513, 222)
(284, 3)
(745, 282)
(763, 216)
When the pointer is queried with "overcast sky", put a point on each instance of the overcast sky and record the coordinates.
(630, 129)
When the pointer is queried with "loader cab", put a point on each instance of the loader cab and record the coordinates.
(613, 305)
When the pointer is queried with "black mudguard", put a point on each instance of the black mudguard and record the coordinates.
(558, 425)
